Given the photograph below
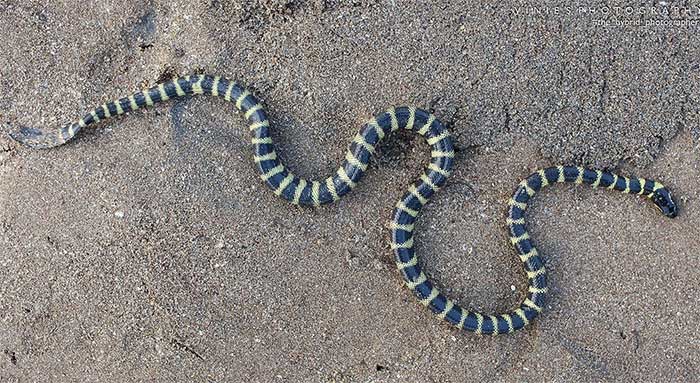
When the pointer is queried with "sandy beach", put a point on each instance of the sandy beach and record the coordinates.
(149, 250)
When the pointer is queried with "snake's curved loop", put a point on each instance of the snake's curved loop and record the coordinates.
(407, 261)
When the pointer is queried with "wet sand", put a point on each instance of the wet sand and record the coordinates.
(148, 249)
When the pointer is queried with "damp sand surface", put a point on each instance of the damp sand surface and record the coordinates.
(148, 249)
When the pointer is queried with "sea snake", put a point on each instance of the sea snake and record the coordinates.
(303, 192)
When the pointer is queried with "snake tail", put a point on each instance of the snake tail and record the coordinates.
(282, 181)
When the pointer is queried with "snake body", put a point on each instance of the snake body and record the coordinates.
(310, 192)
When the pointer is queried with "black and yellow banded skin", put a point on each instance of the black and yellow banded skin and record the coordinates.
(282, 181)
(534, 302)
(315, 193)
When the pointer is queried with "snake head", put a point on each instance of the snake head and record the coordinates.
(37, 138)
(664, 201)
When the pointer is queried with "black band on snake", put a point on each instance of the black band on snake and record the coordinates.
(303, 192)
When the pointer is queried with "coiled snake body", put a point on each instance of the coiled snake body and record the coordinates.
(303, 192)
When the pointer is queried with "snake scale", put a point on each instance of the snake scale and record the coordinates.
(304, 192)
